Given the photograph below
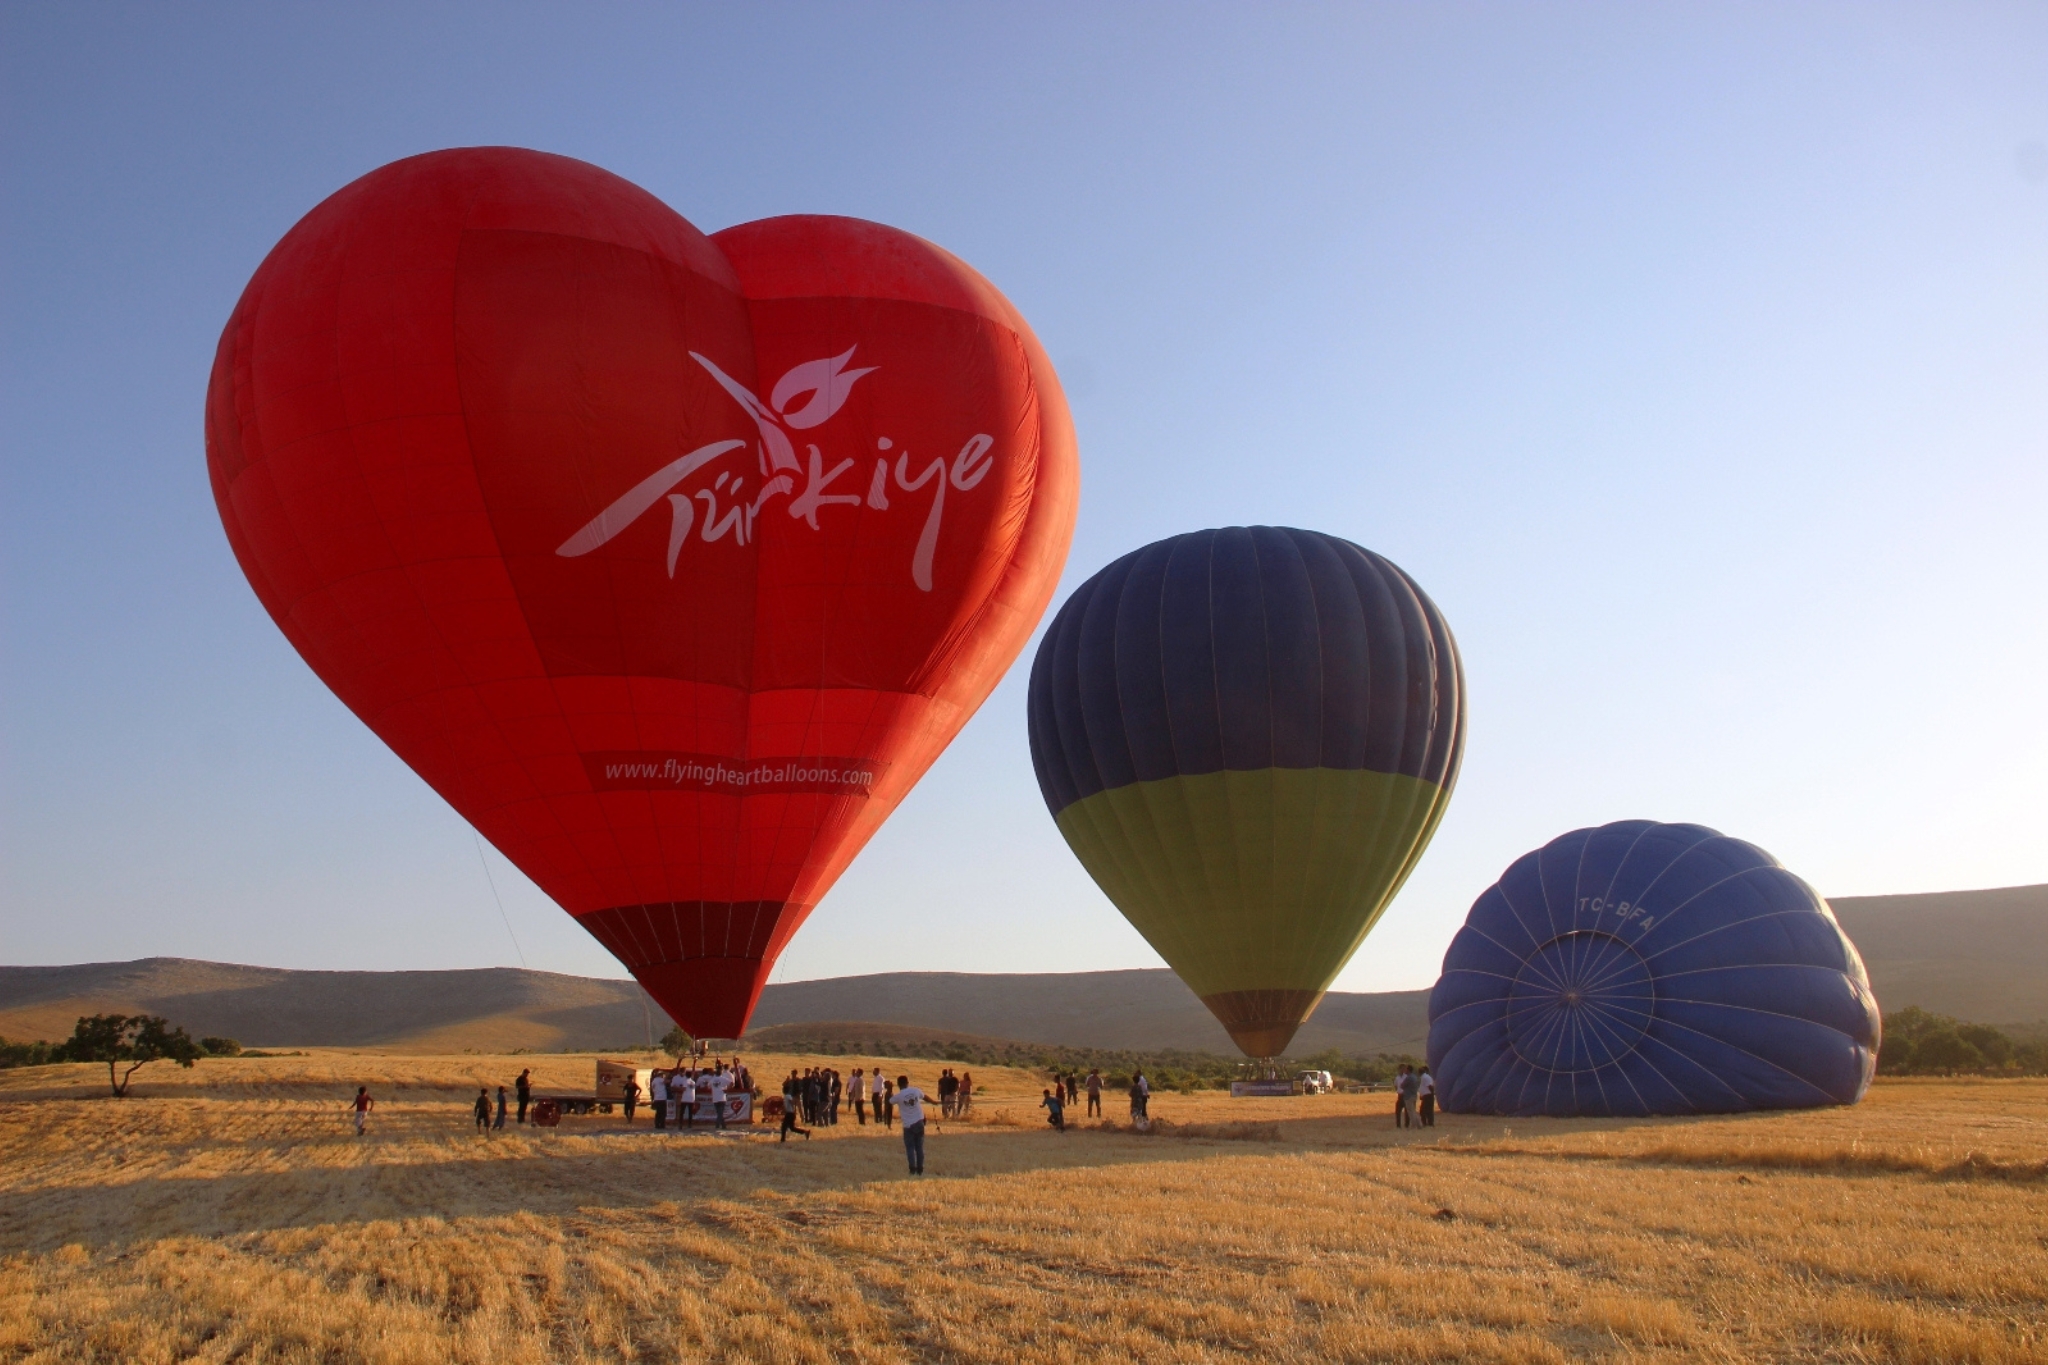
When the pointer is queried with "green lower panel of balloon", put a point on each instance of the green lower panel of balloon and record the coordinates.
(1255, 881)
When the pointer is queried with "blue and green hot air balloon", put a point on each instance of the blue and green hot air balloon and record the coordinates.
(1247, 737)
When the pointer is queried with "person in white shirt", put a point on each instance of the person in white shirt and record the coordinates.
(686, 1093)
(720, 1082)
(857, 1090)
(657, 1096)
(909, 1102)
(1427, 1088)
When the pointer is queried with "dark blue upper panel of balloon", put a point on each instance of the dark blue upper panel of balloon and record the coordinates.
(1243, 648)
(1643, 968)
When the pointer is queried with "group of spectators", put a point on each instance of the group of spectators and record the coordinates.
(816, 1094)
(482, 1109)
(1413, 1088)
(956, 1093)
(813, 1097)
(1067, 1088)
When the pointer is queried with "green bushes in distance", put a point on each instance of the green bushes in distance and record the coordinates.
(30, 1054)
(1916, 1043)
(1920, 1043)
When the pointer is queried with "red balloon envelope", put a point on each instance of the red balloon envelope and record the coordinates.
(671, 561)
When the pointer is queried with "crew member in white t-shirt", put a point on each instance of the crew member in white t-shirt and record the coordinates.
(719, 1082)
(657, 1098)
(686, 1093)
(1426, 1087)
(909, 1102)
(878, 1090)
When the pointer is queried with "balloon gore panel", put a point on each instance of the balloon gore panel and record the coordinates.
(1643, 968)
(1247, 736)
(670, 561)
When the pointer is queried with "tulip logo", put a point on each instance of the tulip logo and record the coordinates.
(804, 398)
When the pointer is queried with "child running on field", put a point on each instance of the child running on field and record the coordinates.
(1056, 1110)
(362, 1104)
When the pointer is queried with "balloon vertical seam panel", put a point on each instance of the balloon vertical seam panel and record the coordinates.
(610, 549)
(1247, 736)
(1709, 978)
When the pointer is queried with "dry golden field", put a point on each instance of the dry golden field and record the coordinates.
(228, 1214)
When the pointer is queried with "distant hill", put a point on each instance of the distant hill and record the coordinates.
(498, 1009)
(1144, 1010)
(1979, 955)
(489, 1009)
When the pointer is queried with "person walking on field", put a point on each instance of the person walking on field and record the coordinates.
(857, 1089)
(1427, 1086)
(500, 1124)
(524, 1089)
(1055, 1107)
(877, 1088)
(791, 1089)
(888, 1103)
(632, 1096)
(657, 1099)
(1094, 1094)
(688, 1094)
(965, 1099)
(1404, 1098)
(482, 1109)
(910, 1101)
(362, 1104)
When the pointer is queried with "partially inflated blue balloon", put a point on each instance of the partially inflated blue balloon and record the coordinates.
(1642, 968)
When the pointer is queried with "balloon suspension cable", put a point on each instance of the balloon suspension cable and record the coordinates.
(493, 882)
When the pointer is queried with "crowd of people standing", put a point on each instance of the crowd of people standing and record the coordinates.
(813, 1098)
(1414, 1098)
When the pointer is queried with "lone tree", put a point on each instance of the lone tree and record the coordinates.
(677, 1043)
(132, 1041)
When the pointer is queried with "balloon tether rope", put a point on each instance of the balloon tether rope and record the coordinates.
(492, 882)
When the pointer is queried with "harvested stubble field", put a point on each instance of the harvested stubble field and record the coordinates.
(227, 1213)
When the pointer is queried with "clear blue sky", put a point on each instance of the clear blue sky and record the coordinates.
(1693, 357)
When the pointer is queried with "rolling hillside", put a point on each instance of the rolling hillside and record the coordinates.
(502, 1008)
(1980, 955)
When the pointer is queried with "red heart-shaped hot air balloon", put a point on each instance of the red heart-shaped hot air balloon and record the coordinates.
(672, 562)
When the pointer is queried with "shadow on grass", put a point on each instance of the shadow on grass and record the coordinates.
(118, 1172)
